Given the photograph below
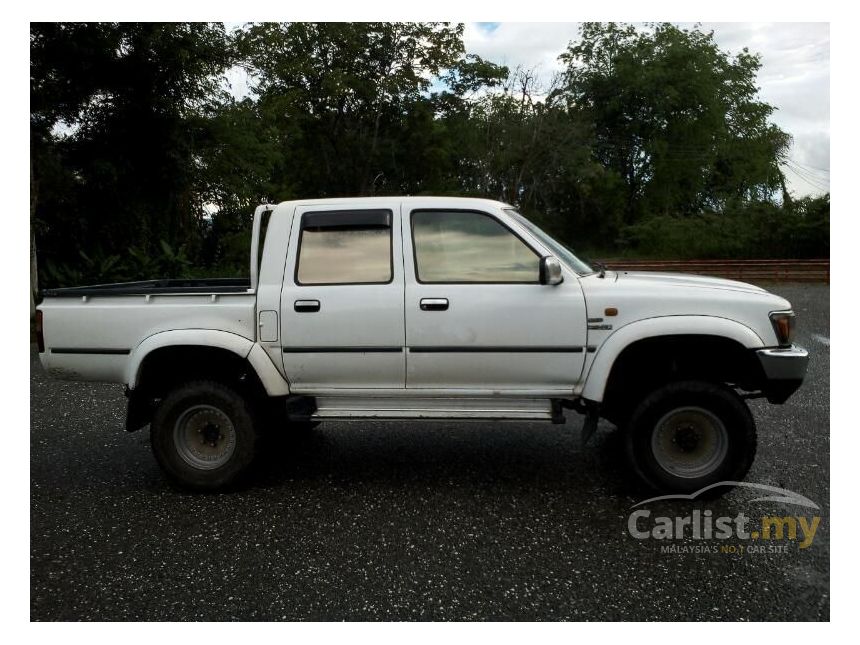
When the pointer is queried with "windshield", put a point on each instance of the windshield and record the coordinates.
(559, 250)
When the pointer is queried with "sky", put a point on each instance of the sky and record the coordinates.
(794, 77)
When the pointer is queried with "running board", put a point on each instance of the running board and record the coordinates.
(369, 407)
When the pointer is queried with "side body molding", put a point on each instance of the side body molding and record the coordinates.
(601, 366)
(272, 381)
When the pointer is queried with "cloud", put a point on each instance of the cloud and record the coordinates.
(530, 44)
(238, 82)
(795, 79)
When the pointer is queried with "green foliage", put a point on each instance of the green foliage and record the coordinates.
(676, 118)
(761, 230)
(651, 141)
(99, 267)
(347, 102)
(119, 127)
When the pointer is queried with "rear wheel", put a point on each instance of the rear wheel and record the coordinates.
(203, 435)
(688, 435)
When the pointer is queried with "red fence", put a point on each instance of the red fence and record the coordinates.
(746, 270)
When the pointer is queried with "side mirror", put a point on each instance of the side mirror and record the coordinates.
(550, 270)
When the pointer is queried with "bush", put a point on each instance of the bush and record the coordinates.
(760, 231)
(99, 268)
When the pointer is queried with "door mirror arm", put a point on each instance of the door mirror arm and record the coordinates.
(550, 270)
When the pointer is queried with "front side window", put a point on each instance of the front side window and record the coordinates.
(452, 246)
(345, 247)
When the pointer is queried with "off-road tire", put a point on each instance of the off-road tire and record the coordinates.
(220, 403)
(652, 418)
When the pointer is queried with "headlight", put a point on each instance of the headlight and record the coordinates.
(783, 325)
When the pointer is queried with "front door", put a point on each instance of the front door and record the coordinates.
(477, 317)
(342, 323)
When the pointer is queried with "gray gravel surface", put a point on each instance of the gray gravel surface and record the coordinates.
(409, 521)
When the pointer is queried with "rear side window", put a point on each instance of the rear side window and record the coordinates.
(345, 247)
(470, 247)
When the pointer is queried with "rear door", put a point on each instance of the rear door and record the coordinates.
(477, 317)
(342, 323)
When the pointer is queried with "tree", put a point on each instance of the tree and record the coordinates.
(677, 119)
(346, 99)
(118, 110)
(65, 60)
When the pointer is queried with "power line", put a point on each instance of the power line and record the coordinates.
(805, 174)
(809, 168)
(810, 182)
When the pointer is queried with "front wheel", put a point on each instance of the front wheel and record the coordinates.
(203, 435)
(689, 435)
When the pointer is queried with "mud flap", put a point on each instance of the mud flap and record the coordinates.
(300, 408)
(139, 412)
(592, 416)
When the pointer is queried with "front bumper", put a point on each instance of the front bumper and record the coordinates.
(784, 369)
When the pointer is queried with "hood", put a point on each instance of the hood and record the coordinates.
(664, 280)
(638, 295)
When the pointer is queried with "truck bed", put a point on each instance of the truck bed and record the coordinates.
(92, 332)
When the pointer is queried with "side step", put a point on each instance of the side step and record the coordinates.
(353, 407)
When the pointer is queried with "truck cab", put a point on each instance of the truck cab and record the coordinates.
(429, 308)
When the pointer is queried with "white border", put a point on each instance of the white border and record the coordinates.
(15, 472)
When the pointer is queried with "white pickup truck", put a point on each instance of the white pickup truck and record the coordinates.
(429, 308)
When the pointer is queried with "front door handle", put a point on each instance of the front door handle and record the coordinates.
(306, 306)
(434, 304)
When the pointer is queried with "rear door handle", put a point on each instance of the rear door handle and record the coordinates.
(306, 306)
(434, 304)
